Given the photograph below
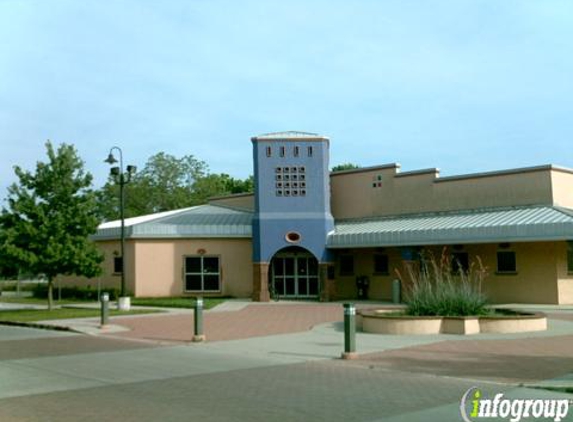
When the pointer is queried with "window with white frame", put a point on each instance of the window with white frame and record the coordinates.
(202, 273)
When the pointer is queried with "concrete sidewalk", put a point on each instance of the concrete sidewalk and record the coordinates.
(293, 376)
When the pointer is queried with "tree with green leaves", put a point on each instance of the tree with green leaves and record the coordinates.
(345, 166)
(49, 216)
(167, 183)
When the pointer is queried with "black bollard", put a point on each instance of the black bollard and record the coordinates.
(349, 331)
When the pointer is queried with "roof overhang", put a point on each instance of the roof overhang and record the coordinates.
(204, 221)
(517, 224)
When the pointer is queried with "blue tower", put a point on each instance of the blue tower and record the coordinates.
(292, 215)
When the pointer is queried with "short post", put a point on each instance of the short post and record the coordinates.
(349, 331)
(396, 291)
(198, 335)
(104, 302)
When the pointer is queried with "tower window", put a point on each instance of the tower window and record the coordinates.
(282, 151)
(309, 151)
(296, 151)
(269, 151)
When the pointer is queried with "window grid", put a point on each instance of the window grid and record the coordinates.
(202, 273)
(290, 181)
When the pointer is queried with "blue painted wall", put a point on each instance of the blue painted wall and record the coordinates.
(302, 206)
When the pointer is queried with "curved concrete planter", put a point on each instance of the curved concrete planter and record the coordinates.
(380, 322)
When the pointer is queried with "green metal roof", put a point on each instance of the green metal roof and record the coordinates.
(514, 224)
(200, 221)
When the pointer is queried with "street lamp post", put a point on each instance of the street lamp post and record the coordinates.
(121, 178)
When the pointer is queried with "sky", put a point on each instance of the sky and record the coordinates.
(462, 85)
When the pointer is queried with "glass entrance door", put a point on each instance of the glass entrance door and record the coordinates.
(295, 275)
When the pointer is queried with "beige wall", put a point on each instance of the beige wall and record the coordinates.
(353, 193)
(562, 182)
(110, 249)
(536, 280)
(380, 284)
(160, 265)
(159, 269)
(564, 278)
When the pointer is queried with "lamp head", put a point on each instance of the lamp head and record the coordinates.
(131, 169)
(114, 171)
(110, 159)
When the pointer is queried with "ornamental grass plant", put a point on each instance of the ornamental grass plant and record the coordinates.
(437, 290)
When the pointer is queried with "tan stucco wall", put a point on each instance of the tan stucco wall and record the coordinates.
(108, 279)
(380, 285)
(160, 265)
(562, 182)
(564, 279)
(536, 280)
(353, 194)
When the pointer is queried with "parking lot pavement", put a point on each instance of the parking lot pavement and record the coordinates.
(294, 376)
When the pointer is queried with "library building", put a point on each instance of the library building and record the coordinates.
(308, 233)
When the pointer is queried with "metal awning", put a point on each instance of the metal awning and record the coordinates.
(515, 224)
(200, 221)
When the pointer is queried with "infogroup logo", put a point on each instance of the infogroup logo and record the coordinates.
(474, 406)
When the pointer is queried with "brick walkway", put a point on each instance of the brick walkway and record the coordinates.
(252, 321)
(523, 360)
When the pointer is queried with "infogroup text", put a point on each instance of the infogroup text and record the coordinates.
(474, 407)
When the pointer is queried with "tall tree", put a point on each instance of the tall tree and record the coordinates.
(49, 217)
(166, 183)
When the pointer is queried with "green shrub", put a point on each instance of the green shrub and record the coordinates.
(436, 291)
(75, 293)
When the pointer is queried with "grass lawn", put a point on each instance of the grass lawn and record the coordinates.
(36, 301)
(176, 302)
(31, 315)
